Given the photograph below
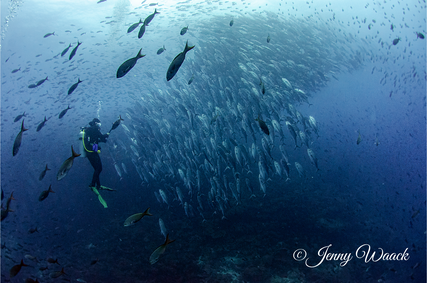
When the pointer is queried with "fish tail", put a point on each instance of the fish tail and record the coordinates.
(22, 263)
(74, 153)
(168, 241)
(147, 212)
(22, 126)
(120, 116)
(139, 54)
(155, 11)
(47, 168)
(188, 48)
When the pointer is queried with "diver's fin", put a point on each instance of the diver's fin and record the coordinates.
(101, 200)
(106, 188)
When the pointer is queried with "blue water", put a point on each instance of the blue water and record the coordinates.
(368, 98)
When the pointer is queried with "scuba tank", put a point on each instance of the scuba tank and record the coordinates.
(81, 141)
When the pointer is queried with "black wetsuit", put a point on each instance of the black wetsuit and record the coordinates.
(93, 136)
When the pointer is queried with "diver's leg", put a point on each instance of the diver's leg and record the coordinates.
(98, 169)
(92, 159)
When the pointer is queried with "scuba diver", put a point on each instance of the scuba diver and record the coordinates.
(90, 137)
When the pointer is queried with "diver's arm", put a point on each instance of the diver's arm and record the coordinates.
(103, 138)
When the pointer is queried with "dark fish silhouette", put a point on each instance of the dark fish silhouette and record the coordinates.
(48, 34)
(18, 139)
(65, 50)
(134, 26)
(73, 52)
(5, 212)
(15, 270)
(268, 39)
(41, 125)
(41, 82)
(359, 138)
(63, 112)
(32, 86)
(73, 87)
(128, 65)
(56, 274)
(183, 30)
(419, 35)
(141, 31)
(16, 70)
(191, 80)
(116, 123)
(19, 117)
(51, 260)
(160, 51)
(396, 41)
(231, 23)
(262, 86)
(177, 62)
(263, 126)
(150, 17)
(45, 194)
(43, 173)
(66, 166)
(33, 230)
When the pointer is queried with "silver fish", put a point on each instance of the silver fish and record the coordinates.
(313, 158)
(136, 217)
(160, 250)
(18, 139)
(66, 166)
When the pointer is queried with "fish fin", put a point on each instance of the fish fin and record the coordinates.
(147, 212)
(168, 241)
(22, 263)
(22, 126)
(188, 48)
(74, 153)
(139, 54)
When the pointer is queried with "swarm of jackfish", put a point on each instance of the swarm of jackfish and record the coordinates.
(204, 142)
